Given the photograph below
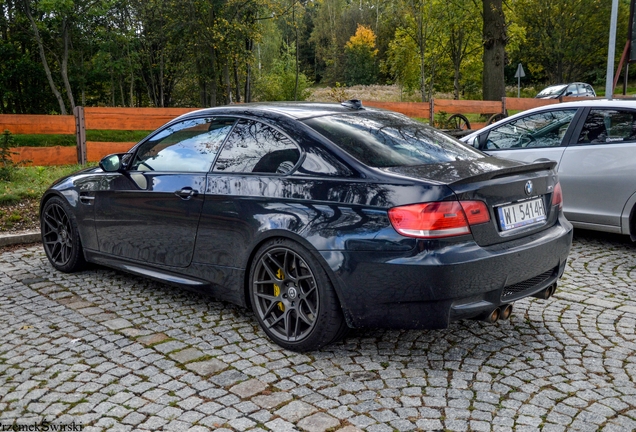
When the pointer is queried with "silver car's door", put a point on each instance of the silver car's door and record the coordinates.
(597, 170)
(532, 137)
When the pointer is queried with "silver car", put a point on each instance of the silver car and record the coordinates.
(594, 144)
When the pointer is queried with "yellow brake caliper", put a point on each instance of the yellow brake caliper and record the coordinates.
(279, 275)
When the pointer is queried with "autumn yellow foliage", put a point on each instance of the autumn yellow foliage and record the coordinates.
(363, 39)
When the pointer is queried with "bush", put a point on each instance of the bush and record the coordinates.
(7, 166)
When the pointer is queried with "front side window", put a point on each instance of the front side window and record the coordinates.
(187, 146)
(572, 90)
(545, 129)
(380, 139)
(604, 126)
(254, 147)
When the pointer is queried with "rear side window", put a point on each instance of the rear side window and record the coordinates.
(604, 126)
(254, 147)
(382, 139)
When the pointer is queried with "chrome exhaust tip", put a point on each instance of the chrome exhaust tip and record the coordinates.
(493, 316)
(506, 312)
(546, 293)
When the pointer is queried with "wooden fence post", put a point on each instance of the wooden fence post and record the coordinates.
(503, 106)
(431, 119)
(80, 134)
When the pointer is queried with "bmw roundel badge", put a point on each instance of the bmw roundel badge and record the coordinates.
(529, 188)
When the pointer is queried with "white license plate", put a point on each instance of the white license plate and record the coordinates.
(521, 214)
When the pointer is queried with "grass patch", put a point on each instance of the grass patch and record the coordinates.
(40, 140)
(31, 182)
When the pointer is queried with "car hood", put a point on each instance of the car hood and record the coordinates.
(468, 171)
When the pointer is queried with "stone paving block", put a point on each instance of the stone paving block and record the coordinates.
(318, 422)
(273, 400)
(117, 324)
(228, 378)
(295, 411)
(187, 355)
(248, 388)
(167, 347)
(91, 311)
(152, 339)
(207, 367)
(280, 425)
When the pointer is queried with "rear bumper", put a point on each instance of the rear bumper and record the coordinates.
(439, 283)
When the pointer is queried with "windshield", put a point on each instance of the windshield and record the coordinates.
(385, 139)
(552, 90)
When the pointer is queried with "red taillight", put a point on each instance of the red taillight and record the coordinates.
(557, 196)
(438, 219)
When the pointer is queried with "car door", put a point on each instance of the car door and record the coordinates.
(243, 191)
(532, 137)
(597, 168)
(150, 212)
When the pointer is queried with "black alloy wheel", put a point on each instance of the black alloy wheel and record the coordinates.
(60, 236)
(293, 299)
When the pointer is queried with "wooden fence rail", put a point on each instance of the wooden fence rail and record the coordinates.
(96, 118)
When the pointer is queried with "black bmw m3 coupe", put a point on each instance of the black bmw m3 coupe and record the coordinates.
(319, 217)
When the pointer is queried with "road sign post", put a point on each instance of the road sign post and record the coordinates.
(519, 74)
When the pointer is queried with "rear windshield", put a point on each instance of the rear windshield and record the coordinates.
(553, 90)
(385, 139)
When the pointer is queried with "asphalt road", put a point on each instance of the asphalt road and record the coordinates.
(108, 351)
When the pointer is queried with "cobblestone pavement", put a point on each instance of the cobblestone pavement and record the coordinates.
(110, 351)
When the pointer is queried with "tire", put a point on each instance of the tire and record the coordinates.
(60, 236)
(292, 297)
(458, 122)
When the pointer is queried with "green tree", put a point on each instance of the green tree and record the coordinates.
(566, 40)
(361, 53)
(281, 83)
(402, 62)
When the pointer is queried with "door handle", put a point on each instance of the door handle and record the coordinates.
(186, 193)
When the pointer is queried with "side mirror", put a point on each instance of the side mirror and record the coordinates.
(113, 163)
(473, 142)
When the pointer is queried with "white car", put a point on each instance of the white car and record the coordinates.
(594, 145)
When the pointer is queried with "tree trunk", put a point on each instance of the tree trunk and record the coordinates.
(421, 43)
(297, 68)
(237, 83)
(214, 84)
(45, 63)
(248, 73)
(161, 83)
(494, 40)
(64, 66)
(228, 86)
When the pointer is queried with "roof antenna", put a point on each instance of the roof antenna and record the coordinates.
(352, 103)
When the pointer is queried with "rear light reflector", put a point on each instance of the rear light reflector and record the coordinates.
(476, 212)
(557, 196)
(438, 219)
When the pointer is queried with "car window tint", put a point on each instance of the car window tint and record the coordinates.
(255, 147)
(545, 129)
(187, 146)
(608, 126)
(381, 139)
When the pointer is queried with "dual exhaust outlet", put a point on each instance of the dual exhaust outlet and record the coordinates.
(503, 312)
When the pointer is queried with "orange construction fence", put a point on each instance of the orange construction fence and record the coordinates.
(96, 118)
